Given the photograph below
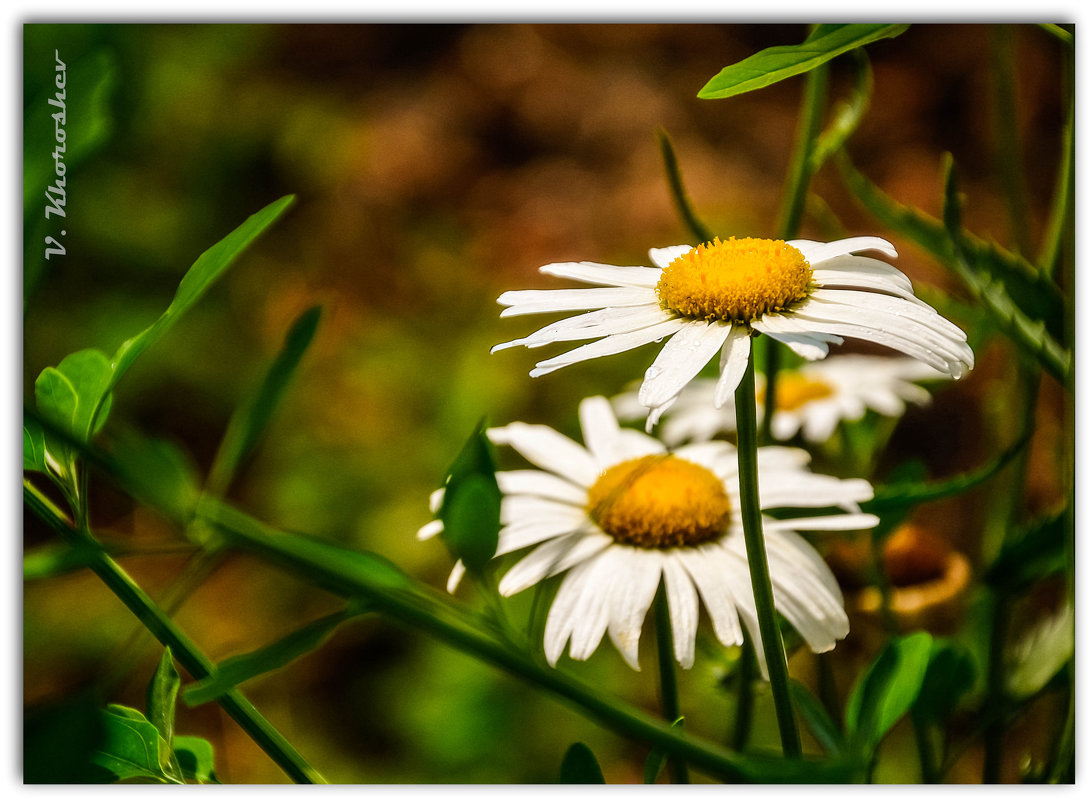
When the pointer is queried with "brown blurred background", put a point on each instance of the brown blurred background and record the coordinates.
(436, 166)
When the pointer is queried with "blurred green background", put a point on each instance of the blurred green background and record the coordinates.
(436, 166)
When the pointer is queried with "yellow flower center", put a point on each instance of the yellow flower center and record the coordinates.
(659, 501)
(794, 390)
(736, 280)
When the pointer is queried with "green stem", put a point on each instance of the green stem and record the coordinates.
(772, 645)
(410, 608)
(669, 687)
(745, 696)
(994, 735)
(188, 654)
(1062, 208)
(794, 201)
(1009, 160)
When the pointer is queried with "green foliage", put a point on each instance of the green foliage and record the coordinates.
(252, 418)
(903, 494)
(1022, 301)
(886, 691)
(657, 758)
(1033, 553)
(778, 63)
(847, 115)
(34, 450)
(1041, 654)
(812, 712)
(678, 192)
(579, 766)
(157, 472)
(238, 669)
(949, 675)
(209, 266)
(471, 505)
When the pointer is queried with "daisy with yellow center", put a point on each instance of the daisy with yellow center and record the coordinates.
(811, 399)
(621, 513)
(709, 299)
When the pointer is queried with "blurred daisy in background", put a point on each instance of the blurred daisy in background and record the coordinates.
(812, 399)
(711, 298)
(621, 513)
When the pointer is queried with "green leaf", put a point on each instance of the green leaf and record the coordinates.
(251, 419)
(1022, 301)
(70, 395)
(902, 494)
(1038, 551)
(1025, 325)
(130, 747)
(195, 756)
(886, 691)
(778, 63)
(33, 446)
(847, 115)
(59, 739)
(157, 472)
(678, 192)
(1041, 654)
(471, 505)
(815, 715)
(329, 566)
(162, 697)
(208, 267)
(657, 758)
(949, 675)
(238, 669)
(580, 766)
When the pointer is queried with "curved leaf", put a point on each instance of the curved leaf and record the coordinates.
(471, 505)
(778, 63)
(886, 691)
(200, 276)
(580, 766)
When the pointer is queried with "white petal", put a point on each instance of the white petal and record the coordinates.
(706, 566)
(435, 500)
(662, 257)
(550, 559)
(561, 617)
(682, 602)
(516, 508)
(521, 535)
(595, 604)
(636, 579)
(544, 485)
(548, 449)
(592, 273)
(863, 265)
(537, 301)
(591, 325)
(817, 254)
(915, 310)
(430, 529)
(806, 346)
(601, 431)
(457, 573)
(851, 522)
(608, 346)
(733, 363)
(681, 359)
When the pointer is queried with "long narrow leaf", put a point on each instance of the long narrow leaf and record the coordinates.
(847, 116)
(238, 669)
(251, 419)
(778, 63)
(209, 266)
(678, 192)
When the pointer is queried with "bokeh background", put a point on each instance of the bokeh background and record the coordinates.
(436, 166)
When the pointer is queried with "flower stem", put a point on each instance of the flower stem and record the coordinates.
(792, 209)
(189, 656)
(772, 645)
(669, 687)
(745, 696)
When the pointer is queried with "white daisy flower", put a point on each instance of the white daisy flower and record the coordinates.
(711, 298)
(622, 513)
(812, 399)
